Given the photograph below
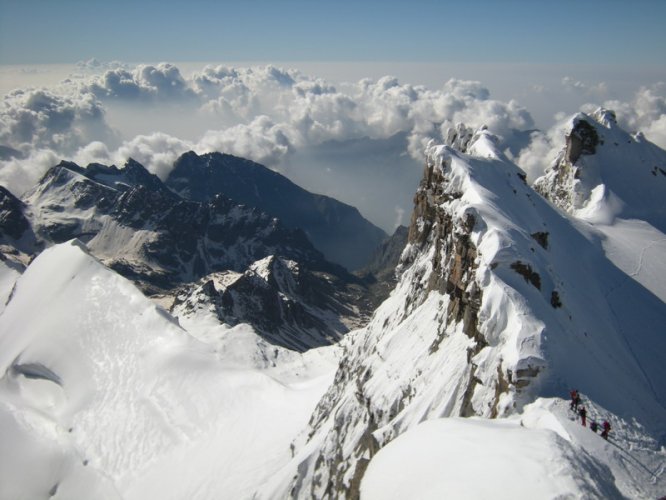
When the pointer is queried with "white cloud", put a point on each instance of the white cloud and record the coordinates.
(19, 175)
(646, 113)
(36, 119)
(145, 82)
(261, 140)
(268, 114)
(157, 152)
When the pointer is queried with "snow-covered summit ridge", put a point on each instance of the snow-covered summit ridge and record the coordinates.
(103, 395)
(501, 300)
(604, 173)
(548, 452)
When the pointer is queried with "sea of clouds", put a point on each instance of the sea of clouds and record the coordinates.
(362, 141)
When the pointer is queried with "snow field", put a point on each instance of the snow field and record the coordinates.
(542, 453)
(109, 398)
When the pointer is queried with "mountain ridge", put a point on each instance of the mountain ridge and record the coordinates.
(335, 228)
(137, 226)
(500, 300)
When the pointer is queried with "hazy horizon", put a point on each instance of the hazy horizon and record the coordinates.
(341, 98)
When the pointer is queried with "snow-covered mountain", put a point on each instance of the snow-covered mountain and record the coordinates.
(504, 302)
(290, 305)
(605, 173)
(133, 222)
(137, 226)
(615, 182)
(501, 300)
(336, 229)
(103, 395)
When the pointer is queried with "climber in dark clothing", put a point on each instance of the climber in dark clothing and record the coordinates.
(594, 426)
(583, 415)
(606, 429)
(575, 399)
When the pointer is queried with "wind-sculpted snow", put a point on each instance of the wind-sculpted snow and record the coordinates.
(616, 182)
(103, 395)
(501, 300)
(542, 453)
(605, 173)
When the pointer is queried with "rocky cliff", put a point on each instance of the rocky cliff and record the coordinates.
(603, 173)
(490, 311)
(289, 304)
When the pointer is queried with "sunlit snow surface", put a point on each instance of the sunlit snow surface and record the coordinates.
(103, 395)
(408, 365)
(543, 453)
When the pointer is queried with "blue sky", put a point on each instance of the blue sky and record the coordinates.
(507, 64)
(581, 31)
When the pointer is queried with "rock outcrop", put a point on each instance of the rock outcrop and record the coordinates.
(425, 353)
(603, 173)
(287, 303)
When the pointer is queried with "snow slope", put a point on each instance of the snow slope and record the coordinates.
(502, 300)
(542, 453)
(103, 395)
(616, 182)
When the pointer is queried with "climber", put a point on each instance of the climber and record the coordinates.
(575, 399)
(606, 429)
(594, 426)
(583, 414)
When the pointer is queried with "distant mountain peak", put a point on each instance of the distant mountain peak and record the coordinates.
(336, 229)
(604, 172)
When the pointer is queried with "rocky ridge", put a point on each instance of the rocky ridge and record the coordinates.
(137, 226)
(487, 281)
(287, 303)
(606, 172)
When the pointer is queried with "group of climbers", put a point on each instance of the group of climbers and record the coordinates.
(577, 407)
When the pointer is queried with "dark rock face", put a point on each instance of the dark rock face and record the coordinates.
(16, 235)
(13, 223)
(287, 303)
(526, 271)
(453, 261)
(541, 237)
(560, 186)
(583, 140)
(380, 274)
(336, 229)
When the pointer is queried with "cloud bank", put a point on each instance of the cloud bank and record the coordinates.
(284, 119)
(645, 113)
